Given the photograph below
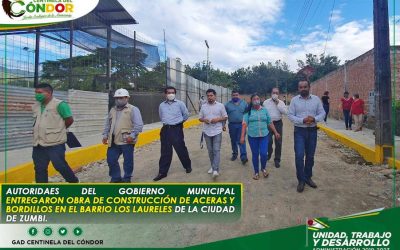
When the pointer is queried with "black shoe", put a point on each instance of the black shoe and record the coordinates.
(233, 158)
(188, 170)
(244, 161)
(159, 177)
(300, 187)
(277, 164)
(126, 181)
(119, 181)
(311, 183)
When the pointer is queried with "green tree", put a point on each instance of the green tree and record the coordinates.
(86, 69)
(215, 76)
(323, 65)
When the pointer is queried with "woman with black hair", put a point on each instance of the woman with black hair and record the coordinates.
(257, 120)
(325, 104)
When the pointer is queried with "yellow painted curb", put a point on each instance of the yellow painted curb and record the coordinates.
(368, 153)
(24, 173)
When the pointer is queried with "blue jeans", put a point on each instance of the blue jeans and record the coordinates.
(235, 132)
(347, 118)
(113, 154)
(305, 143)
(56, 154)
(326, 108)
(259, 152)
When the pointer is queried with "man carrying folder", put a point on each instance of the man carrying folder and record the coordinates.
(52, 118)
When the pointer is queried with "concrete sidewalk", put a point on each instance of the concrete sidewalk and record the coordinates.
(24, 155)
(366, 136)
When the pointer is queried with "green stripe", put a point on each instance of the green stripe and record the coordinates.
(19, 26)
(394, 105)
(5, 110)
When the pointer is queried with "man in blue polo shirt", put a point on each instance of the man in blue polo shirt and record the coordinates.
(235, 109)
(173, 113)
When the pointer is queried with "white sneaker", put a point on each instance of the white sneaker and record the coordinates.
(215, 174)
(210, 171)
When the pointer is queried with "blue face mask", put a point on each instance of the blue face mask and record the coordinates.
(235, 99)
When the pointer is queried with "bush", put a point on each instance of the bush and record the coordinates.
(397, 105)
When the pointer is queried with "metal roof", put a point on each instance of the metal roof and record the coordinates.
(112, 12)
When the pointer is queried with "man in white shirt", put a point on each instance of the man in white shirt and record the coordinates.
(213, 115)
(276, 108)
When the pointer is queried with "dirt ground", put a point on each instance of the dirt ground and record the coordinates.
(346, 185)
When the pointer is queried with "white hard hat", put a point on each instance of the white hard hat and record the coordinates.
(121, 93)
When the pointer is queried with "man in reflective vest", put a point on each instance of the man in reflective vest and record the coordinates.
(52, 117)
(122, 127)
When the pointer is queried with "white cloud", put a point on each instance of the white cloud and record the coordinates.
(336, 16)
(237, 31)
(232, 28)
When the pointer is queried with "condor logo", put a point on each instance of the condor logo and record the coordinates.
(36, 12)
(18, 8)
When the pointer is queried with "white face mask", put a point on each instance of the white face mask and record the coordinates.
(171, 97)
(275, 97)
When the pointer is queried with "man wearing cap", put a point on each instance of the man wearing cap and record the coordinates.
(122, 127)
(52, 118)
(173, 113)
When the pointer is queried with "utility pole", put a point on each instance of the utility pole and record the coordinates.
(166, 61)
(383, 92)
(134, 57)
(71, 47)
(37, 53)
(208, 47)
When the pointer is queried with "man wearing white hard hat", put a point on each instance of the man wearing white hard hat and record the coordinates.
(122, 127)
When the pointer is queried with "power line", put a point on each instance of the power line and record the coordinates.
(329, 26)
(305, 17)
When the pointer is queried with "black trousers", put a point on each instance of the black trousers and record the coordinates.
(173, 137)
(278, 143)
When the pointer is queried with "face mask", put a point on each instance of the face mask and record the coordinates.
(274, 97)
(256, 103)
(40, 97)
(171, 97)
(304, 93)
(235, 99)
(121, 102)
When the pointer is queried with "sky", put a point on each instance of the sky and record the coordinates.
(243, 33)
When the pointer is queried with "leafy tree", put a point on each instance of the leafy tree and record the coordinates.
(215, 76)
(86, 69)
(323, 65)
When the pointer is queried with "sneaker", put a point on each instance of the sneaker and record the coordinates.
(210, 171)
(215, 174)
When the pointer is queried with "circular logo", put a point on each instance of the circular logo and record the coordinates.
(48, 231)
(78, 231)
(310, 222)
(33, 231)
(62, 231)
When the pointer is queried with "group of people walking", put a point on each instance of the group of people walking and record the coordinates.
(261, 123)
(353, 109)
